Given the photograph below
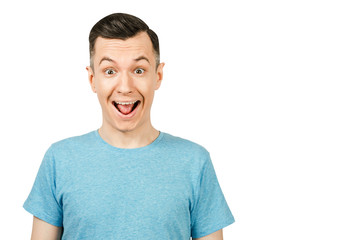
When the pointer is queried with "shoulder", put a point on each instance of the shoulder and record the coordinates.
(184, 149)
(75, 143)
(183, 144)
(81, 139)
(70, 152)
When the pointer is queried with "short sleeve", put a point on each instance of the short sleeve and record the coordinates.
(211, 212)
(42, 202)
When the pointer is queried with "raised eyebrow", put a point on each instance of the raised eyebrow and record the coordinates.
(136, 59)
(142, 58)
(106, 59)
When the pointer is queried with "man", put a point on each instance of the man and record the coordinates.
(126, 180)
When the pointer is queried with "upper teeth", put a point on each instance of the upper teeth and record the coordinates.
(126, 103)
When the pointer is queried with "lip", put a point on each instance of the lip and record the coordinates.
(128, 116)
(126, 101)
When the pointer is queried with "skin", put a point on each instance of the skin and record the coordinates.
(44, 231)
(218, 235)
(123, 71)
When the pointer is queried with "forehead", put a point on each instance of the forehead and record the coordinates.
(140, 44)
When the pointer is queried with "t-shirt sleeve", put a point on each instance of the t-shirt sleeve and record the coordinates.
(42, 202)
(211, 212)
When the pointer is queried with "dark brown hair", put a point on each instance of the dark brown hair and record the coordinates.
(121, 26)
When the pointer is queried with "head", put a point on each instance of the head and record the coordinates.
(121, 26)
(124, 71)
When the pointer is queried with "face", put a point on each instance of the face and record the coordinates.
(125, 77)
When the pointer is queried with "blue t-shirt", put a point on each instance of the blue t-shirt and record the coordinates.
(165, 190)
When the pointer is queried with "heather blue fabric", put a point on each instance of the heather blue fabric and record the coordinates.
(166, 190)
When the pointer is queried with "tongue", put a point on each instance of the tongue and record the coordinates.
(125, 109)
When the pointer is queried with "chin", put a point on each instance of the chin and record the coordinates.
(125, 128)
(117, 123)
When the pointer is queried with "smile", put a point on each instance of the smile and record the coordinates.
(126, 108)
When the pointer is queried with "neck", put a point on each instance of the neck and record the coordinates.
(128, 139)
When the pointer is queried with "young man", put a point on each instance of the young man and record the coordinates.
(126, 180)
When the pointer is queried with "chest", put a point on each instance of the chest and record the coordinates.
(125, 195)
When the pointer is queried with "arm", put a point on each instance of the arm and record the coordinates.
(218, 235)
(45, 231)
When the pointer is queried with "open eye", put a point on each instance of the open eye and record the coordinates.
(109, 71)
(139, 71)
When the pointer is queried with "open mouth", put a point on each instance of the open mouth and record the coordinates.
(126, 107)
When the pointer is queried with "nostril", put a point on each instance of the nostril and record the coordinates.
(124, 91)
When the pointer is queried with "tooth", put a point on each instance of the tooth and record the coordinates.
(125, 103)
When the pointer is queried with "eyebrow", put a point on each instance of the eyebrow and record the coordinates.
(142, 58)
(136, 59)
(106, 59)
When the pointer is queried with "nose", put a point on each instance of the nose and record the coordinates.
(125, 84)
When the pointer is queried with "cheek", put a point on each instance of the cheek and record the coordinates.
(146, 89)
(103, 88)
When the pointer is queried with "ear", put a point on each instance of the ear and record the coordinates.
(159, 75)
(91, 78)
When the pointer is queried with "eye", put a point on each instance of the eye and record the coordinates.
(139, 71)
(109, 72)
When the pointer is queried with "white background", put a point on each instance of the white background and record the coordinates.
(270, 88)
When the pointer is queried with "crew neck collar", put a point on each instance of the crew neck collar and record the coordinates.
(109, 146)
